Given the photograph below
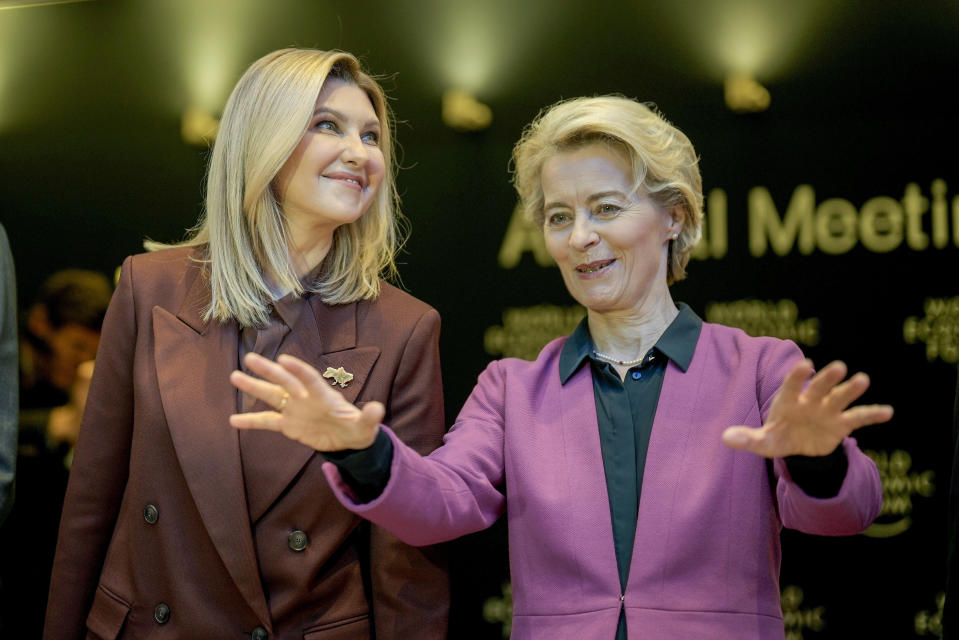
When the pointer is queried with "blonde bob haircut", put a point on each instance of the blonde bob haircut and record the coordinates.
(663, 160)
(243, 231)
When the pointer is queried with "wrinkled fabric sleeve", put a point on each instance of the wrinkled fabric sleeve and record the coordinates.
(859, 498)
(99, 472)
(454, 491)
(366, 471)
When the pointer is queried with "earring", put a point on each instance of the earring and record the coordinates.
(674, 236)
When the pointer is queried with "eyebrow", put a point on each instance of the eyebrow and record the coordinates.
(341, 116)
(591, 198)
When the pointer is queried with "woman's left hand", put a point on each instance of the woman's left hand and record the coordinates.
(811, 421)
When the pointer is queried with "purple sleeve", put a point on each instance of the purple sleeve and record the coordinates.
(859, 497)
(452, 492)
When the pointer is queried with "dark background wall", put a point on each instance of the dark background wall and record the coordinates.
(92, 162)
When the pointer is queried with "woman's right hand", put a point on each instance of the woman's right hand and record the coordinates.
(307, 409)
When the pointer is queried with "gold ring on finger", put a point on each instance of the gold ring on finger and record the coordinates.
(283, 401)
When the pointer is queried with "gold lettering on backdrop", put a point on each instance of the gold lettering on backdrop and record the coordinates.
(783, 234)
(899, 485)
(521, 236)
(836, 225)
(500, 610)
(766, 318)
(929, 623)
(940, 215)
(715, 240)
(526, 330)
(882, 224)
(796, 619)
(938, 330)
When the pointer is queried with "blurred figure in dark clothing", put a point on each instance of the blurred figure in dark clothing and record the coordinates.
(8, 375)
(61, 332)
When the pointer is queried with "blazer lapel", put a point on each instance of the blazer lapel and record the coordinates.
(673, 427)
(590, 519)
(193, 362)
(325, 336)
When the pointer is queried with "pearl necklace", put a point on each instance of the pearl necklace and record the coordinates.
(622, 363)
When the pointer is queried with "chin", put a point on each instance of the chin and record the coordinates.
(600, 303)
(596, 305)
(344, 217)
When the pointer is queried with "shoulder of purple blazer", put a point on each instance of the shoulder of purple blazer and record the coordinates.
(524, 373)
(548, 356)
(723, 338)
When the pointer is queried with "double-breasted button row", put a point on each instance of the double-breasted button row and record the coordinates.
(298, 540)
(151, 514)
(161, 613)
(260, 633)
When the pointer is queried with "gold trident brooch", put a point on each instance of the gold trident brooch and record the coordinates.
(338, 376)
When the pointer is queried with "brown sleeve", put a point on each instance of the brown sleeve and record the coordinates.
(410, 585)
(99, 471)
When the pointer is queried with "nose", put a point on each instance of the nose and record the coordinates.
(583, 235)
(355, 151)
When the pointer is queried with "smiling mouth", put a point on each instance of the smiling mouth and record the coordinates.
(346, 179)
(593, 267)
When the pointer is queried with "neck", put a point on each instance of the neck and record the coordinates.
(628, 335)
(307, 250)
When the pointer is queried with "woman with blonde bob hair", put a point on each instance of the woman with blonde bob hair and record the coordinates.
(174, 522)
(661, 158)
(648, 461)
(244, 225)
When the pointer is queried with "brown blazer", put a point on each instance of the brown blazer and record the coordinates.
(156, 539)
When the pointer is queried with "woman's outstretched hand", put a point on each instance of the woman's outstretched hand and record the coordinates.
(811, 421)
(306, 408)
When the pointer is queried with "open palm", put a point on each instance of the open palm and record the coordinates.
(307, 409)
(810, 421)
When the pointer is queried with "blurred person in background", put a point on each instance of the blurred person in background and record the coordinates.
(175, 524)
(60, 337)
(8, 375)
(62, 330)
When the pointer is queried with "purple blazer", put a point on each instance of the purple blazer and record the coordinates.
(706, 555)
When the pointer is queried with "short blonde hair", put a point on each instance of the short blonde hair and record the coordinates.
(662, 157)
(243, 231)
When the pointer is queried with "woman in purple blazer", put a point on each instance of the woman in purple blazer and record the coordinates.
(633, 452)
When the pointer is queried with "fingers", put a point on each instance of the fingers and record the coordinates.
(269, 420)
(268, 392)
(794, 380)
(309, 377)
(745, 439)
(275, 373)
(366, 425)
(372, 414)
(272, 394)
(843, 395)
(827, 378)
(828, 385)
(297, 367)
(868, 414)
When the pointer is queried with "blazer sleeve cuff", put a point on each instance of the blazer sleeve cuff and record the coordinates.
(849, 512)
